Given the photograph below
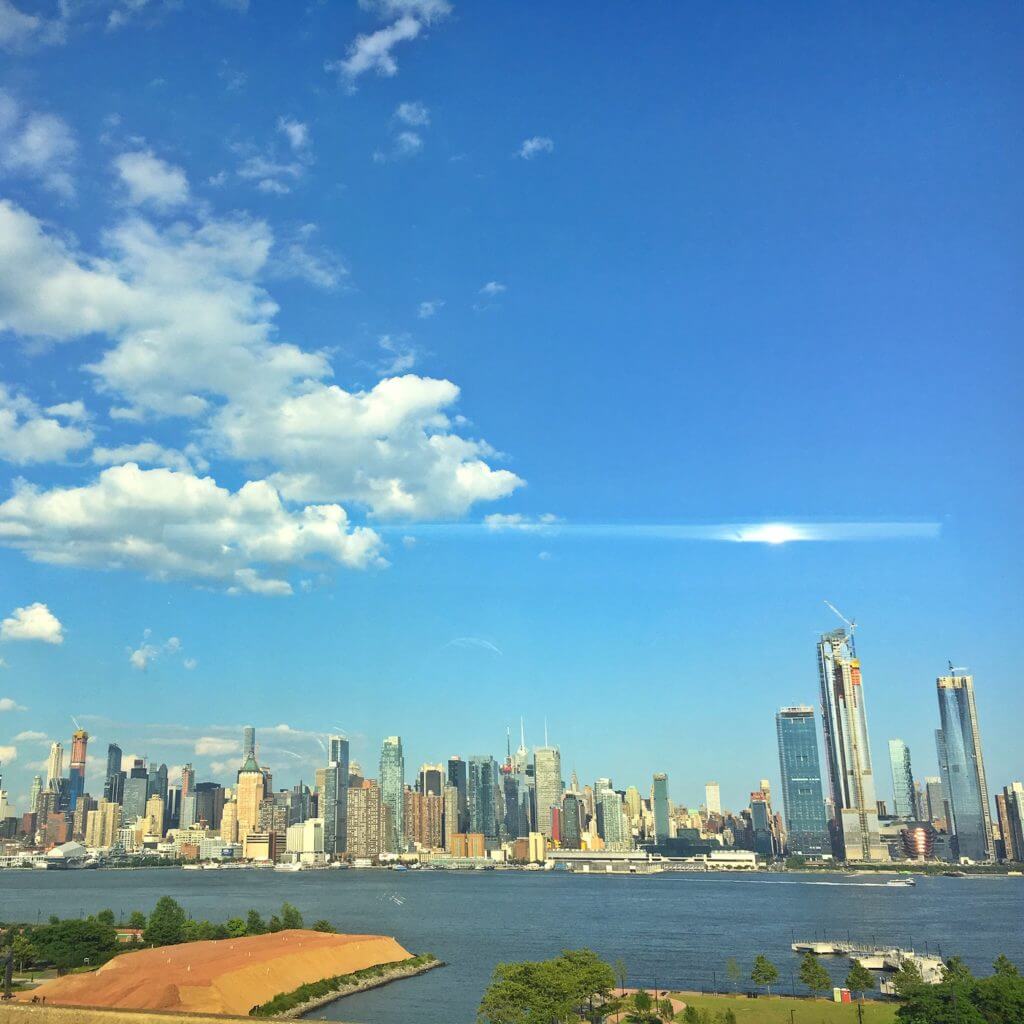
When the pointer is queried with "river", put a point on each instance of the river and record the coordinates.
(676, 930)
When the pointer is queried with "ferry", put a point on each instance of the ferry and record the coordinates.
(901, 883)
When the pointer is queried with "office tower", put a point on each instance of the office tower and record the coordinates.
(934, 799)
(902, 780)
(188, 779)
(806, 826)
(365, 820)
(249, 742)
(33, 795)
(154, 816)
(1011, 819)
(547, 777)
(135, 793)
(920, 802)
(482, 780)
(761, 824)
(516, 817)
(847, 750)
(54, 765)
(450, 821)
(430, 780)
(208, 801)
(458, 778)
(570, 822)
(964, 772)
(157, 782)
(250, 789)
(634, 804)
(659, 799)
(334, 807)
(392, 787)
(712, 798)
(229, 822)
(615, 833)
(79, 743)
(113, 780)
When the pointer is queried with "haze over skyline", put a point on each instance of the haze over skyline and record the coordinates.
(405, 367)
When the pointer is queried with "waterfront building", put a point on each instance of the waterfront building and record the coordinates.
(76, 773)
(54, 765)
(482, 787)
(634, 805)
(305, 840)
(135, 793)
(113, 781)
(902, 780)
(1011, 819)
(458, 777)
(471, 844)
(963, 767)
(250, 789)
(847, 750)
(333, 806)
(547, 776)
(207, 799)
(713, 798)
(659, 798)
(570, 821)
(516, 794)
(537, 850)
(188, 779)
(229, 822)
(423, 813)
(806, 826)
(102, 825)
(616, 834)
(761, 824)
(366, 821)
(392, 788)
(450, 813)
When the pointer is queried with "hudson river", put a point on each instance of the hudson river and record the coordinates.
(677, 929)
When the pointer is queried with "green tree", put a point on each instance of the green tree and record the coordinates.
(734, 972)
(137, 919)
(254, 924)
(907, 979)
(643, 1002)
(274, 924)
(1005, 967)
(24, 950)
(291, 918)
(166, 925)
(764, 972)
(236, 928)
(729, 1017)
(665, 1011)
(323, 926)
(956, 970)
(860, 979)
(106, 917)
(813, 975)
(690, 1015)
(71, 943)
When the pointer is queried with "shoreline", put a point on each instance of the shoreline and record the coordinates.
(397, 974)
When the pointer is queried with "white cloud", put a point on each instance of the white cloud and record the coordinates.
(75, 410)
(8, 755)
(295, 132)
(401, 355)
(148, 179)
(35, 145)
(493, 289)
(149, 650)
(31, 736)
(173, 525)
(428, 308)
(300, 256)
(408, 143)
(33, 622)
(534, 146)
(474, 643)
(19, 30)
(147, 453)
(26, 435)
(372, 52)
(518, 521)
(10, 704)
(190, 663)
(425, 10)
(269, 174)
(207, 746)
(415, 114)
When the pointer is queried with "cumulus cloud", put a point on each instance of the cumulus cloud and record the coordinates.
(149, 650)
(27, 435)
(215, 746)
(535, 146)
(148, 453)
(415, 114)
(518, 521)
(31, 736)
(33, 622)
(372, 52)
(173, 525)
(10, 704)
(493, 289)
(299, 255)
(75, 410)
(427, 309)
(35, 145)
(8, 755)
(294, 131)
(148, 179)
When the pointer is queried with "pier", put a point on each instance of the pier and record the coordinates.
(877, 958)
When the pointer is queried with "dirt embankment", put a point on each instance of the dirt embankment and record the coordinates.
(226, 976)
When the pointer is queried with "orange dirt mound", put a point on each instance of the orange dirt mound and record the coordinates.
(225, 976)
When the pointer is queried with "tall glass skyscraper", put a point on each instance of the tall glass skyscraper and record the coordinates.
(335, 796)
(547, 780)
(902, 780)
(457, 778)
(392, 791)
(963, 767)
(847, 751)
(113, 783)
(659, 797)
(481, 792)
(806, 827)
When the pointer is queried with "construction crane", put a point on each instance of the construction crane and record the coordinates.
(953, 671)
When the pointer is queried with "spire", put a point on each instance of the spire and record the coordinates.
(522, 734)
(545, 730)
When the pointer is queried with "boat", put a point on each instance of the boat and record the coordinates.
(901, 883)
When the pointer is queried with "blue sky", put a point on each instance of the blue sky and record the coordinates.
(285, 287)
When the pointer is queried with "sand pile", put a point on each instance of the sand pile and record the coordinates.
(226, 976)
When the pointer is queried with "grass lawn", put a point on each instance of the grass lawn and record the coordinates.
(776, 1009)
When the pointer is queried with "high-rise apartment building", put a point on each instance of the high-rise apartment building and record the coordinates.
(54, 765)
(113, 780)
(659, 799)
(713, 798)
(102, 825)
(135, 793)
(430, 780)
(963, 767)
(79, 743)
(615, 829)
(570, 822)
(365, 821)
(1011, 819)
(458, 778)
(547, 779)
(33, 795)
(806, 826)
(334, 797)
(847, 750)
(450, 820)
(392, 788)
(482, 794)
(902, 781)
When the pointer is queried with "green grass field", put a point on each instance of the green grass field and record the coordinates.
(777, 1009)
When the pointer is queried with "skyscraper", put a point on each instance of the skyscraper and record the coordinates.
(250, 787)
(547, 773)
(712, 798)
(806, 827)
(430, 780)
(334, 806)
(659, 798)
(481, 792)
(615, 831)
(902, 780)
(33, 796)
(457, 778)
(79, 742)
(964, 767)
(54, 765)
(1011, 819)
(113, 782)
(847, 750)
(392, 787)
(248, 742)
(570, 823)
